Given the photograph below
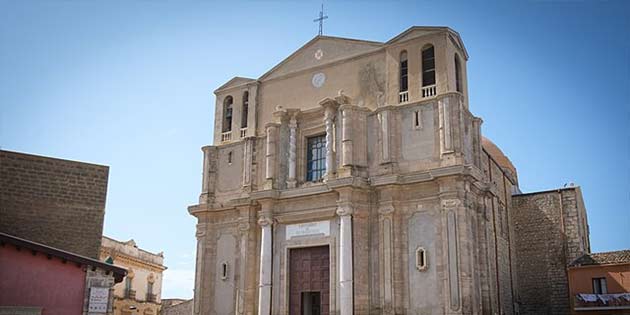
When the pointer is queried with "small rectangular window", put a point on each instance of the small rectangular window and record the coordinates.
(600, 286)
(421, 259)
(224, 271)
(315, 158)
(417, 119)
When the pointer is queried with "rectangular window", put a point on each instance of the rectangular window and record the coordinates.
(315, 158)
(417, 119)
(599, 286)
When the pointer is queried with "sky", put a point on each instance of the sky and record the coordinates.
(129, 84)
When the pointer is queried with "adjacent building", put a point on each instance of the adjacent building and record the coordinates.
(140, 292)
(37, 279)
(51, 221)
(353, 178)
(599, 283)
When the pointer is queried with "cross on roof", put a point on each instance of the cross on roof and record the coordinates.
(321, 19)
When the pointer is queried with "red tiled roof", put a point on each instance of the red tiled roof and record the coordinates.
(606, 258)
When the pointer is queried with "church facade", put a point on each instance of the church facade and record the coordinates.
(352, 178)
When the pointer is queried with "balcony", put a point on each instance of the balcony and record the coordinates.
(226, 136)
(151, 298)
(130, 294)
(243, 132)
(603, 302)
(403, 97)
(429, 91)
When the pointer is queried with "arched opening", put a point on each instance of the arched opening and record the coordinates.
(227, 113)
(428, 66)
(458, 74)
(404, 71)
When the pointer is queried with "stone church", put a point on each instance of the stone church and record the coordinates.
(352, 178)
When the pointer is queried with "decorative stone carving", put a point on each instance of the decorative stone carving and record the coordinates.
(330, 110)
(270, 148)
(291, 182)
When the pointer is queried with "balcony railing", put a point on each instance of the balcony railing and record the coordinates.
(243, 132)
(130, 294)
(428, 91)
(226, 136)
(587, 302)
(151, 298)
(403, 97)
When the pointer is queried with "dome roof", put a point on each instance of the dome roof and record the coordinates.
(498, 155)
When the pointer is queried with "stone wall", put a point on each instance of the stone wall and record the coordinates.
(180, 308)
(56, 202)
(551, 231)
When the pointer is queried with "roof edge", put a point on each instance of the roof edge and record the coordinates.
(119, 273)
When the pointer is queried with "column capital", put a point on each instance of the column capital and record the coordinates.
(265, 220)
(344, 210)
(450, 203)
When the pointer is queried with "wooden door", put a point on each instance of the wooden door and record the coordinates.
(309, 281)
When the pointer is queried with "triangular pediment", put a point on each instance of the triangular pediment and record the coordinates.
(321, 50)
(235, 81)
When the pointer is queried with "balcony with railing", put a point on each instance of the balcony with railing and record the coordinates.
(403, 97)
(601, 302)
(151, 297)
(429, 91)
(243, 132)
(130, 294)
(226, 136)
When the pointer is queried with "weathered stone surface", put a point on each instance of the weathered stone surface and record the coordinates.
(56, 202)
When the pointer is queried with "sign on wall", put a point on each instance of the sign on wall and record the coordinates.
(308, 229)
(99, 297)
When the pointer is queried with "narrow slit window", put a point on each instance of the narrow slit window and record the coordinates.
(428, 66)
(417, 119)
(421, 259)
(224, 271)
(229, 158)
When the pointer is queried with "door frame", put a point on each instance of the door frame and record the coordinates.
(305, 242)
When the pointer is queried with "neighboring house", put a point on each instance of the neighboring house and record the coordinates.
(599, 283)
(38, 279)
(177, 307)
(353, 178)
(140, 292)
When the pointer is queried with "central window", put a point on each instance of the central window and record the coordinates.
(315, 158)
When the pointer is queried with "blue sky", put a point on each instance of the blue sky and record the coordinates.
(129, 85)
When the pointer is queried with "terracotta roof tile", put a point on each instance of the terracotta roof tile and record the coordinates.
(616, 257)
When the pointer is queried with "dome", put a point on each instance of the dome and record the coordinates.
(498, 156)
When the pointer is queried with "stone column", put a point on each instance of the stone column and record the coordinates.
(346, 136)
(208, 176)
(199, 269)
(270, 154)
(292, 148)
(330, 109)
(383, 119)
(266, 254)
(346, 294)
(386, 210)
